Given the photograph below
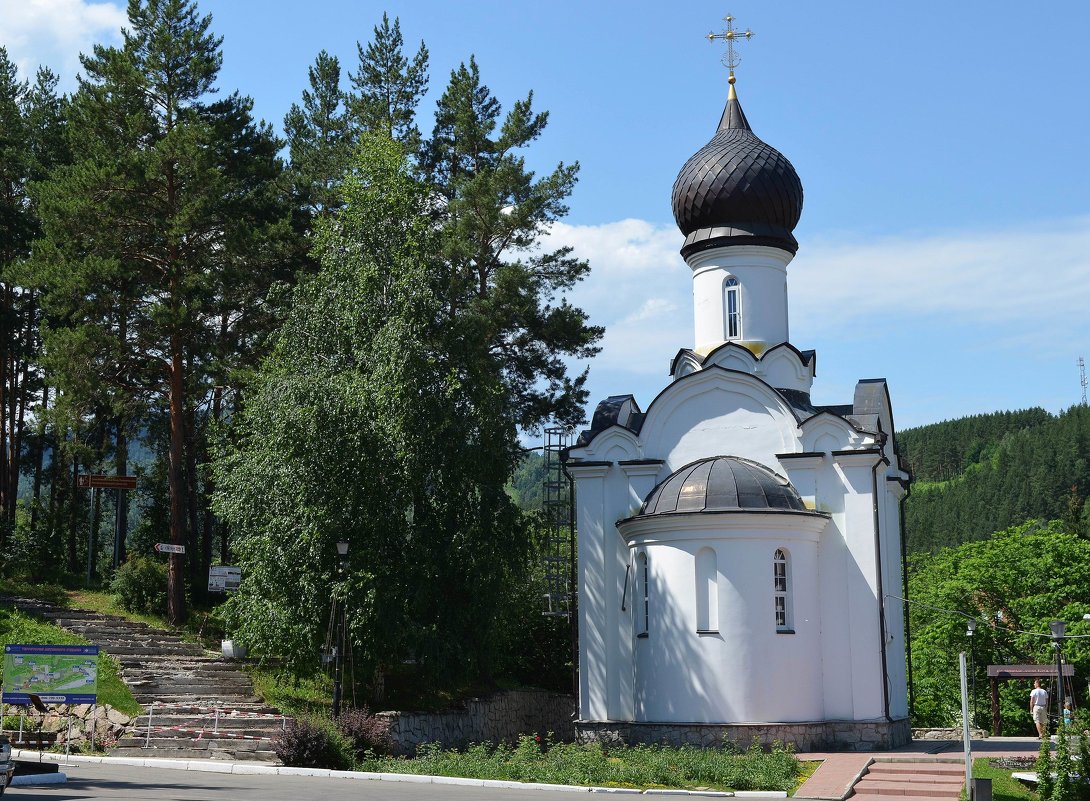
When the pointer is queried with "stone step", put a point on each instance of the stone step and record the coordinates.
(922, 785)
(225, 752)
(914, 768)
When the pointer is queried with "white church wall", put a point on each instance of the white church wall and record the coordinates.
(718, 412)
(762, 278)
(594, 661)
(892, 558)
(681, 672)
(861, 584)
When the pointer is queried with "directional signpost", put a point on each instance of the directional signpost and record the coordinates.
(166, 547)
(98, 481)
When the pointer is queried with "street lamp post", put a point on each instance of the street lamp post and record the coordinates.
(1058, 628)
(338, 649)
(970, 630)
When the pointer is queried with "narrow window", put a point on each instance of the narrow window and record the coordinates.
(733, 310)
(781, 585)
(645, 587)
(707, 592)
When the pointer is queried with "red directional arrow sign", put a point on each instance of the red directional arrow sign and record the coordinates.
(166, 547)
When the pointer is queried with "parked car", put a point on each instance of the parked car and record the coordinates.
(6, 763)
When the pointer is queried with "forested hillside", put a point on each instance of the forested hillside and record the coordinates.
(984, 473)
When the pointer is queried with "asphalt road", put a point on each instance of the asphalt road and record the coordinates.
(90, 781)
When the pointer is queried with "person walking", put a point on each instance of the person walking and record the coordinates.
(1038, 708)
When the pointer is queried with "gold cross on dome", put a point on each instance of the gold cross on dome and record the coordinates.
(730, 36)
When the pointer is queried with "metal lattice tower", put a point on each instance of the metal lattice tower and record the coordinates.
(557, 505)
(1082, 378)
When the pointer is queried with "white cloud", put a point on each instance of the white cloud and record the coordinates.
(1022, 289)
(1033, 281)
(53, 33)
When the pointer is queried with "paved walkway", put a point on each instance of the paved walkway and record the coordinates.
(839, 771)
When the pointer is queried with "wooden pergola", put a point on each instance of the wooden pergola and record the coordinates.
(998, 673)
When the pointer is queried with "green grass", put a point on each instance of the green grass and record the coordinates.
(1004, 788)
(641, 766)
(295, 697)
(21, 629)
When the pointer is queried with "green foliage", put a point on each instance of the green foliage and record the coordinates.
(17, 628)
(537, 759)
(1045, 782)
(53, 593)
(140, 585)
(1004, 786)
(988, 472)
(1013, 584)
(1063, 789)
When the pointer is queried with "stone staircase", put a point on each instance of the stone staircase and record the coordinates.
(917, 779)
(197, 705)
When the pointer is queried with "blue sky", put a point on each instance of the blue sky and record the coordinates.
(945, 239)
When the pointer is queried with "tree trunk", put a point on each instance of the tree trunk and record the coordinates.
(121, 462)
(193, 547)
(73, 518)
(39, 461)
(209, 489)
(176, 610)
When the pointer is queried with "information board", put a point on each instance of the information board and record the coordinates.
(59, 674)
(222, 578)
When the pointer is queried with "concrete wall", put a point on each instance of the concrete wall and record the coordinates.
(501, 717)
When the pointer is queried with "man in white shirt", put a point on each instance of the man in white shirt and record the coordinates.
(1038, 707)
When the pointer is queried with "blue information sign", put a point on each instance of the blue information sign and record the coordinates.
(58, 674)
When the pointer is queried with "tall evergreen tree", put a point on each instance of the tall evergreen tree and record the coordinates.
(166, 204)
(319, 138)
(388, 86)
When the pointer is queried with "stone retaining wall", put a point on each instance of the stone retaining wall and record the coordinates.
(817, 736)
(947, 734)
(501, 717)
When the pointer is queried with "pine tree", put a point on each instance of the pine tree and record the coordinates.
(319, 139)
(166, 205)
(388, 87)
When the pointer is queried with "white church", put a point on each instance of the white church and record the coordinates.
(738, 546)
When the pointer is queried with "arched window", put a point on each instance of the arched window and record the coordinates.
(707, 592)
(732, 308)
(644, 613)
(781, 587)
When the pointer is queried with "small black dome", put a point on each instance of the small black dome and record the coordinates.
(722, 484)
(737, 190)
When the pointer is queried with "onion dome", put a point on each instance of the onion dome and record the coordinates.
(722, 484)
(737, 190)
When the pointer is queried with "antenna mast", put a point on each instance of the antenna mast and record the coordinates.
(1082, 378)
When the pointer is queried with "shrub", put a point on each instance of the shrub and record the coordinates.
(140, 585)
(306, 744)
(367, 732)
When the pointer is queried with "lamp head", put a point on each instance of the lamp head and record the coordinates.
(971, 626)
(342, 548)
(1058, 628)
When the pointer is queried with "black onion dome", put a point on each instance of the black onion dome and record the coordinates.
(722, 484)
(737, 190)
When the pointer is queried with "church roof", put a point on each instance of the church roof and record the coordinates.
(722, 484)
(737, 190)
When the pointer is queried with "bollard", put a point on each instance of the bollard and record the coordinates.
(147, 739)
(68, 741)
(216, 727)
(283, 723)
(94, 724)
(22, 714)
